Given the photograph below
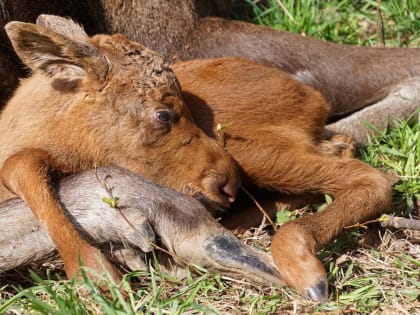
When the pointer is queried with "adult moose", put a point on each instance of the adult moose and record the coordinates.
(369, 82)
(99, 101)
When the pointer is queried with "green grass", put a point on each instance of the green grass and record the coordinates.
(398, 151)
(369, 270)
(358, 283)
(157, 293)
(343, 21)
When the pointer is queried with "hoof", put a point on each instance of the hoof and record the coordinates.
(293, 250)
(318, 292)
(226, 252)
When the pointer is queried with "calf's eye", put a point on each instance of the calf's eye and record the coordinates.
(164, 116)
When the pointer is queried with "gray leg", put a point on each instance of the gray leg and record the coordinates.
(399, 104)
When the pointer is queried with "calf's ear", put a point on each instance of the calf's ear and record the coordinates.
(57, 55)
(63, 26)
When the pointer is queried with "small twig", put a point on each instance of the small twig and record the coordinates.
(239, 281)
(260, 208)
(262, 225)
(380, 29)
(221, 137)
(115, 206)
(400, 223)
(363, 225)
(408, 177)
(390, 221)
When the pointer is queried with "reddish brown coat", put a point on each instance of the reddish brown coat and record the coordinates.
(274, 130)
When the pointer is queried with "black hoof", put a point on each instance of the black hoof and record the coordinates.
(228, 252)
(318, 292)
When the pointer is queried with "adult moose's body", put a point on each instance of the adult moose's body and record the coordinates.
(383, 81)
(99, 101)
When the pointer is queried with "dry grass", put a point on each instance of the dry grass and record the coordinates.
(376, 273)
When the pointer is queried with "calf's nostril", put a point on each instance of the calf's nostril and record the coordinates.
(220, 189)
(230, 191)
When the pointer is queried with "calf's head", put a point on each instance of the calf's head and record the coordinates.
(121, 104)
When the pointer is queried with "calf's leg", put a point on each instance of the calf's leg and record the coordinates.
(359, 191)
(26, 173)
(244, 216)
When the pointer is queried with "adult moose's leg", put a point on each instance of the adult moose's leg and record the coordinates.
(26, 173)
(401, 103)
(184, 226)
(359, 191)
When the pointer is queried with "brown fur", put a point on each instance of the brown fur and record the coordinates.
(274, 130)
(95, 101)
(385, 83)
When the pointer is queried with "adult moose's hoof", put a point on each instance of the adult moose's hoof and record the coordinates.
(221, 252)
(206, 243)
(227, 252)
(188, 232)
